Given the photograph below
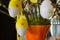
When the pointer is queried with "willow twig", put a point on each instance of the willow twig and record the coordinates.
(6, 14)
(4, 6)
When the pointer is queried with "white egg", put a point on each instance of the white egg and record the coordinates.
(21, 31)
(46, 9)
(13, 12)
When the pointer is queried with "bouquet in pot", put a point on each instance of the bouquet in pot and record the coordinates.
(33, 13)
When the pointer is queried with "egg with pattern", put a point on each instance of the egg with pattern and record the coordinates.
(46, 9)
(21, 25)
(14, 7)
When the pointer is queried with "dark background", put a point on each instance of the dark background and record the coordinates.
(7, 28)
(7, 24)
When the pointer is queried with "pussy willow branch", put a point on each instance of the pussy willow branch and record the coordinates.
(6, 13)
(4, 6)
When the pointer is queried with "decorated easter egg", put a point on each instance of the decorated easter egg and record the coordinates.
(13, 12)
(46, 9)
(14, 7)
(21, 25)
(33, 1)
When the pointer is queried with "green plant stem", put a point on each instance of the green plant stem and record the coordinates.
(4, 7)
(6, 14)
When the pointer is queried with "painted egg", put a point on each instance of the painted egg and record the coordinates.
(21, 25)
(33, 1)
(14, 7)
(46, 9)
(13, 12)
(21, 31)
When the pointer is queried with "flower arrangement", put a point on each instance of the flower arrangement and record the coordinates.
(33, 14)
(34, 17)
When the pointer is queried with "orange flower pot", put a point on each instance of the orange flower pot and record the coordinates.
(37, 32)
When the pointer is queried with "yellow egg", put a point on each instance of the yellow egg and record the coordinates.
(21, 25)
(33, 1)
(22, 22)
(14, 7)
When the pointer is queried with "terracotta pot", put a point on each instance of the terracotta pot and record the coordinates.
(37, 32)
